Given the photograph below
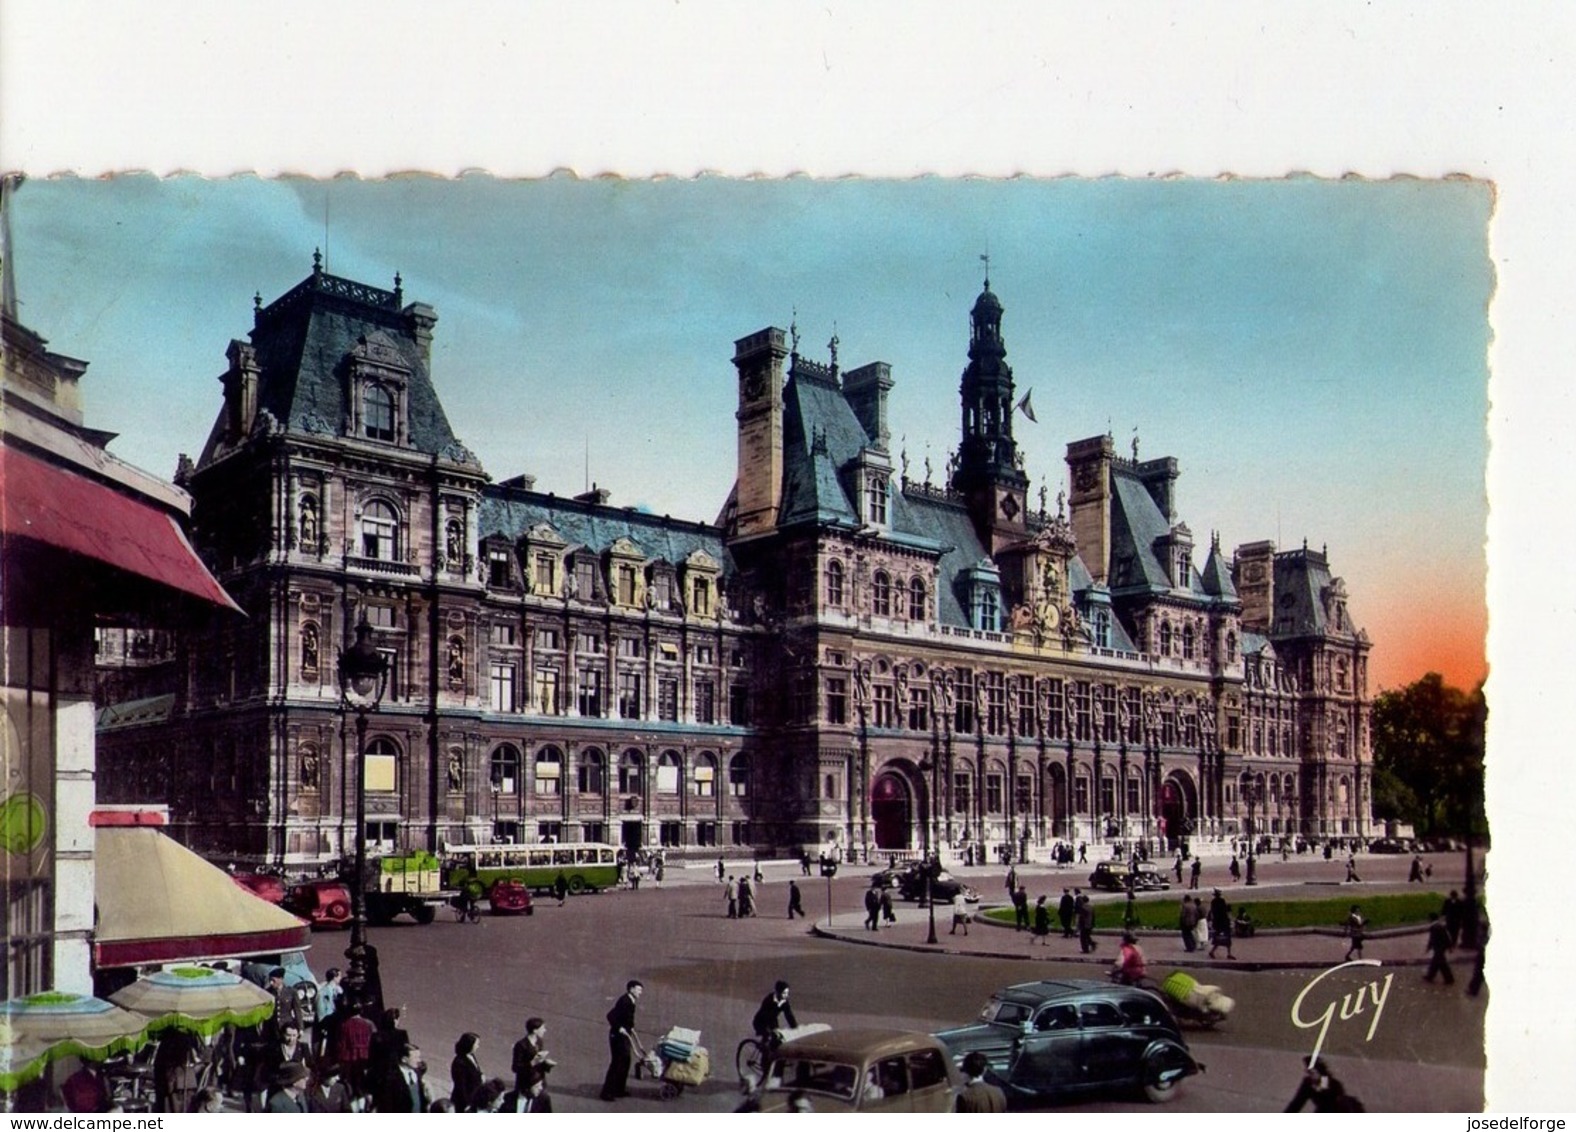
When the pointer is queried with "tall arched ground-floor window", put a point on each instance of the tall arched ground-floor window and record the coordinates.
(892, 811)
(1178, 809)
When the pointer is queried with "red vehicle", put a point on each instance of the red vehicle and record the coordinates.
(321, 903)
(264, 885)
(510, 897)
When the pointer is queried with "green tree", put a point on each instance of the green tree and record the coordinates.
(1428, 756)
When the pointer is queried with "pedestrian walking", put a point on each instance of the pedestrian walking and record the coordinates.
(1065, 910)
(1416, 871)
(1438, 947)
(561, 887)
(1020, 908)
(465, 1073)
(1012, 882)
(1351, 869)
(1453, 912)
(1201, 931)
(804, 862)
(960, 914)
(1085, 917)
(1176, 866)
(1320, 1088)
(1083, 853)
(888, 916)
(873, 908)
(1187, 923)
(1354, 932)
(746, 897)
(622, 1041)
(795, 900)
(1197, 869)
(978, 1094)
(721, 870)
(1235, 869)
(730, 892)
(1042, 922)
(1476, 982)
(1220, 926)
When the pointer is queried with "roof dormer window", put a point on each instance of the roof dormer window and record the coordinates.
(877, 487)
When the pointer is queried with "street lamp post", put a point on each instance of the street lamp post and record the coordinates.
(927, 767)
(363, 673)
(1251, 793)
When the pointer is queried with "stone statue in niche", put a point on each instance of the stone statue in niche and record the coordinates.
(455, 771)
(456, 660)
(309, 769)
(309, 535)
(309, 648)
(456, 549)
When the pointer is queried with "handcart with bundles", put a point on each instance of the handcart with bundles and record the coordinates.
(677, 1060)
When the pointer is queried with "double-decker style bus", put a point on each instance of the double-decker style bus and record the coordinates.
(586, 865)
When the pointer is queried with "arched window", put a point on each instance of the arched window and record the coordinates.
(882, 589)
(593, 772)
(705, 775)
(918, 606)
(549, 771)
(829, 791)
(834, 583)
(739, 776)
(1231, 648)
(1165, 638)
(1102, 628)
(382, 766)
(379, 531)
(990, 618)
(631, 771)
(1187, 642)
(504, 770)
(670, 769)
(377, 413)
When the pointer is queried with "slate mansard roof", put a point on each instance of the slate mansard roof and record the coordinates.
(511, 511)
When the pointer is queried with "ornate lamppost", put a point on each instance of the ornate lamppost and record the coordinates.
(1250, 793)
(927, 766)
(363, 676)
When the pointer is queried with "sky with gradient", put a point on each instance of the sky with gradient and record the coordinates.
(1312, 352)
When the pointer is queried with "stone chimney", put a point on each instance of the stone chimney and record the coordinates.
(865, 389)
(759, 359)
(1089, 468)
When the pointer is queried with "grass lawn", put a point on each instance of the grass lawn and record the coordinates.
(1160, 913)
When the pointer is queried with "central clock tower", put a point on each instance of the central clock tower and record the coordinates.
(989, 472)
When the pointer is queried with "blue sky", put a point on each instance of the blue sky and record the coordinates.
(1312, 352)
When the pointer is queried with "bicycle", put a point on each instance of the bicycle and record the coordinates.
(467, 910)
(750, 1060)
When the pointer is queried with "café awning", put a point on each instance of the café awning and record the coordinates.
(158, 902)
(60, 509)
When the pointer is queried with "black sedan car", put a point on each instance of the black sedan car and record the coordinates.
(1069, 1036)
(943, 887)
(1113, 878)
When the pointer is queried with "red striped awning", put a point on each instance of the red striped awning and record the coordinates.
(58, 508)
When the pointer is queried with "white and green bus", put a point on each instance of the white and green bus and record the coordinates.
(585, 866)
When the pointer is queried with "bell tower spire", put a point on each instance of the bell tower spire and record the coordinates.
(989, 470)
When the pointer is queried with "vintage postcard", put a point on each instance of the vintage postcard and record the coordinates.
(733, 589)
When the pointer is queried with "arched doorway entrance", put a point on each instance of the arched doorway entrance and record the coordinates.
(1178, 809)
(891, 811)
(1056, 799)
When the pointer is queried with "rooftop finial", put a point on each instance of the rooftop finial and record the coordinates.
(257, 300)
(399, 284)
(832, 346)
(317, 261)
(1135, 444)
(793, 332)
(985, 259)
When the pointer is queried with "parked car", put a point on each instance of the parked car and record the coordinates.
(1112, 876)
(1069, 1036)
(864, 1070)
(1390, 845)
(298, 976)
(893, 877)
(267, 886)
(321, 903)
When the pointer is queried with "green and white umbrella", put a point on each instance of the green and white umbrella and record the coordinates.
(201, 1000)
(43, 1028)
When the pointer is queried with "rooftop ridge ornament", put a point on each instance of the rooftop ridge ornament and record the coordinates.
(317, 261)
(793, 332)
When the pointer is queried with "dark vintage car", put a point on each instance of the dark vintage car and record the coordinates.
(1391, 845)
(1064, 1037)
(321, 903)
(1112, 876)
(863, 1070)
(911, 886)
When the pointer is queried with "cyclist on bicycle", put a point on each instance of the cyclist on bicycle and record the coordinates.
(469, 900)
(774, 1011)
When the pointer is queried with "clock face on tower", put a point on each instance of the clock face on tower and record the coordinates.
(1009, 507)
